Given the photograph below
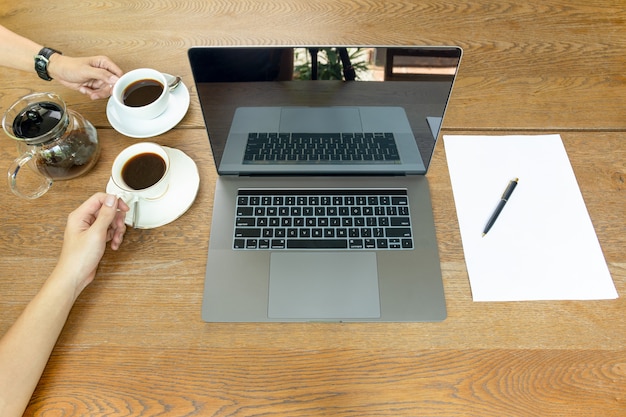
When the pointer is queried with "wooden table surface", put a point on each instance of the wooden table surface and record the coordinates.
(134, 344)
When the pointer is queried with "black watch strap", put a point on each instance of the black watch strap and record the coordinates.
(41, 62)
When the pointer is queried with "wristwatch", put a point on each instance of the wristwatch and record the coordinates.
(41, 62)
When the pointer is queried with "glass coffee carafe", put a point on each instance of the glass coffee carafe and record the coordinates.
(54, 142)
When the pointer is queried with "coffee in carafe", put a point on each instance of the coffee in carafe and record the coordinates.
(56, 142)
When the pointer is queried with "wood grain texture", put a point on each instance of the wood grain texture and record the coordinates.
(134, 344)
(346, 382)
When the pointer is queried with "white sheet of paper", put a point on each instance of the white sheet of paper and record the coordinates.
(543, 245)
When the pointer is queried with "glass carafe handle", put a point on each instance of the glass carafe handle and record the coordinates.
(32, 183)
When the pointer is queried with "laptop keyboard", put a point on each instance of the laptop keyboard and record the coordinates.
(320, 148)
(322, 219)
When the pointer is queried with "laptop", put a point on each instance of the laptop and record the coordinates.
(322, 207)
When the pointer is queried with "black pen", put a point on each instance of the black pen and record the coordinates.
(505, 197)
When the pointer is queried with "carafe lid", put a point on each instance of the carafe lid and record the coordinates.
(36, 118)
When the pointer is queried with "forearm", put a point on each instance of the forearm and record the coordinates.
(26, 347)
(17, 51)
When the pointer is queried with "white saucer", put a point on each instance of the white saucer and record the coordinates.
(184, 183)
(135, 128)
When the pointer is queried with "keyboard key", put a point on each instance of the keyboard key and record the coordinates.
(317, 244)
(400, 221)
(356, 244)
(397, 201)
(395, 243)
(239, 232)
(245, 211)
(245, 221)
(278, 243)
(398, 232)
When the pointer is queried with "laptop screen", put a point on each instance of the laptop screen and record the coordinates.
(320, 109)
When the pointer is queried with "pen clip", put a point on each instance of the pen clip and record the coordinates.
(509, 189)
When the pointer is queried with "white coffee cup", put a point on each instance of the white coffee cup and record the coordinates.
(142, 93)
(141, 172)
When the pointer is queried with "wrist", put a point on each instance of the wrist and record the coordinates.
(53, 66)
(62, 285)
(43, 60)
(69, 278)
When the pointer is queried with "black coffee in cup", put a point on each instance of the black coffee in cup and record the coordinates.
(143, 170)
(142, 92)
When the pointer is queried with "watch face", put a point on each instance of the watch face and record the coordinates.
(41, 67)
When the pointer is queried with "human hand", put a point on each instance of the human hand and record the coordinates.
(89, 228)
(93, 76)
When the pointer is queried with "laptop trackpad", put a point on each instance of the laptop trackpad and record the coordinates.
(323, 285)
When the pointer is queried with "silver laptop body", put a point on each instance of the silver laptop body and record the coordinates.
(322, 208)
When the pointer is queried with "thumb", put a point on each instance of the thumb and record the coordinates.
(107, 213)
